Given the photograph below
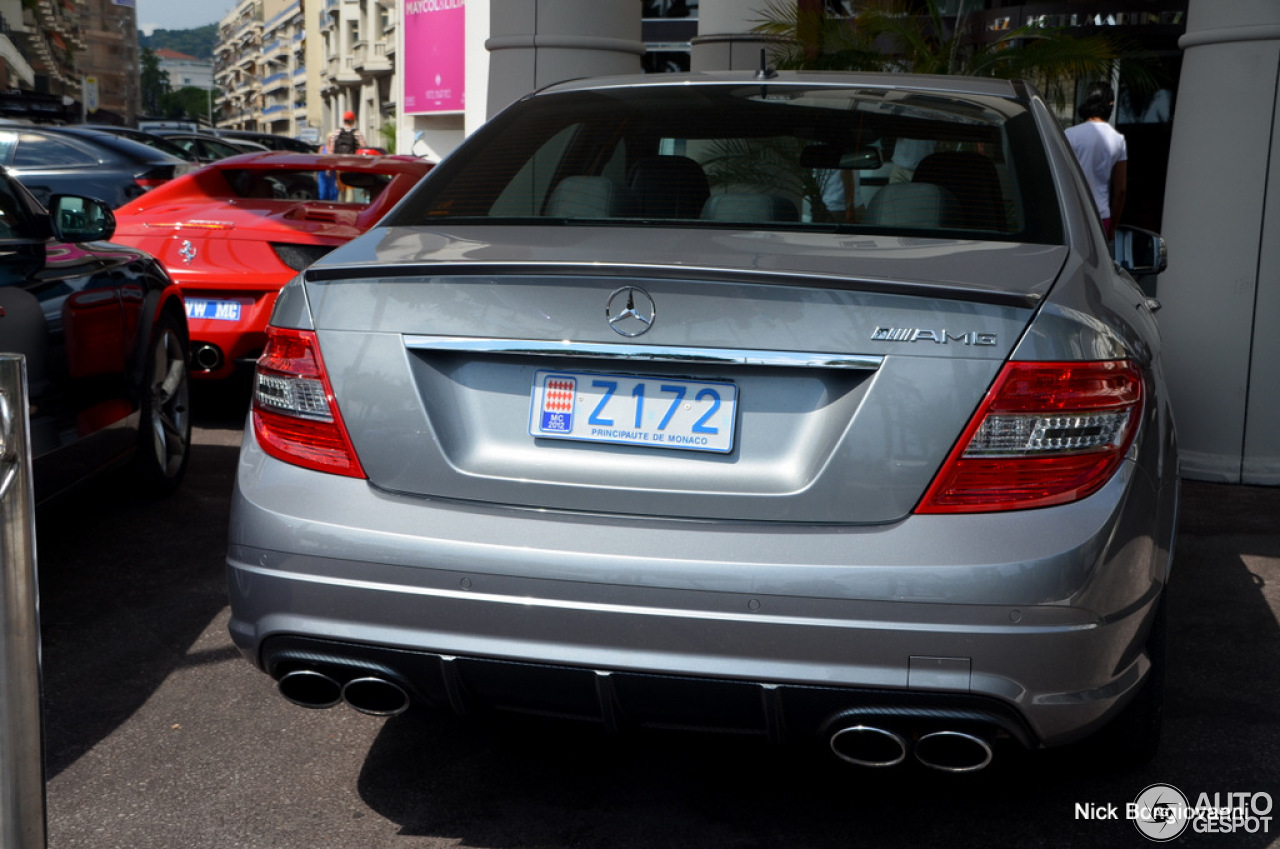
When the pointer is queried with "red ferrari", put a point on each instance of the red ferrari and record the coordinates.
(235, 231)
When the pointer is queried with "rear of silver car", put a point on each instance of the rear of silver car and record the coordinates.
(911, 493)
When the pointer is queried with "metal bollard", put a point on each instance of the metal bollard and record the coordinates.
(22, 795)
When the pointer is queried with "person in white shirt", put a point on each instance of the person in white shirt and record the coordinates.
(1102, 154)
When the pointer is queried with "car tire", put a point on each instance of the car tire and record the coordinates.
(164, 431)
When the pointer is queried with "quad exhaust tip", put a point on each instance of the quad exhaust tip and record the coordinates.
(879, 748)
(375, 696)
(865, 745)
(310, 689)
(953, 751)
(368, 694)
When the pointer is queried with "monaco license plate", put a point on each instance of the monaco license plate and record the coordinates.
(212, 309)
(655, 412)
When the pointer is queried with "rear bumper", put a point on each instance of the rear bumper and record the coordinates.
(1034, 622)
(219, 346)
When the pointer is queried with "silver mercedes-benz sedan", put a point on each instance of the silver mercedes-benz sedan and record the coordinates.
(805, 406)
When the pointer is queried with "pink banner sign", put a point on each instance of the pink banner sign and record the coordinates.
(434, 56)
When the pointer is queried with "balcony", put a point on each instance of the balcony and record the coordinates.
(341, 70)
(275, 82)
(371, 59)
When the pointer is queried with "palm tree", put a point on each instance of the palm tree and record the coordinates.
(915, 37)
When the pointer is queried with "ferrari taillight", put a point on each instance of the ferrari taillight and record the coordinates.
(295, 416)
(1046, 433)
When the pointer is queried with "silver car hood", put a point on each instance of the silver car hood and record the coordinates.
(854, 379)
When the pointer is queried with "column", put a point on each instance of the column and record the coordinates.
(534, 43)
(725, 41)
(1221, 294)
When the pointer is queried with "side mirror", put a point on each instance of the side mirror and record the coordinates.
(1140, 252)
(80, 219)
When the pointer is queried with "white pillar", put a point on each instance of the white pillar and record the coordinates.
(534, 43)
(725, 41)
(1221, 294)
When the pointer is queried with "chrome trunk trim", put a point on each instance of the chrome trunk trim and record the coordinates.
(646, 353)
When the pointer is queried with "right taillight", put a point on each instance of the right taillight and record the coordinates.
(295, 417)
(1046, 433)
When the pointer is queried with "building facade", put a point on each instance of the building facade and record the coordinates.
(43, 49)
(184, 71)
(261, 68)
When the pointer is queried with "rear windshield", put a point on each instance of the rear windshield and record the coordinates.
(360, 188)
(768, 156)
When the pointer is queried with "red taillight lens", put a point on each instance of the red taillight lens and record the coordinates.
(1046, 433)
(295, 417)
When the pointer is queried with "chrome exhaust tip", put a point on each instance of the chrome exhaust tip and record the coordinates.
(206, 357)
(310, 689)
(375, 696)
(865, 745)
(953, 751)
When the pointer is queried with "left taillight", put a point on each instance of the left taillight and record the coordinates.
(295, 416)
(1046, 433)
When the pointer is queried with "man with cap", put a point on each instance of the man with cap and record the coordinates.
(345, 139)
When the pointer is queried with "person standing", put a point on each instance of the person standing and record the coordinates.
(1102, 154)
(345, 139)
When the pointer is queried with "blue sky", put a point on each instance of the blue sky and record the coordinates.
(180, 14)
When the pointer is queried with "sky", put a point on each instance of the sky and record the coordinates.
(180, 14)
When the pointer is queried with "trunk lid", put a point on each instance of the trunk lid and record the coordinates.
(852, 364)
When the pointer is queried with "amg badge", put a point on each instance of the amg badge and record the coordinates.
(926, 334)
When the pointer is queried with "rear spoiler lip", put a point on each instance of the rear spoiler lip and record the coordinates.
(634, 272)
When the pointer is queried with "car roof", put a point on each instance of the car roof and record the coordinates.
(140, 136)
(103, 138)
(964, 85)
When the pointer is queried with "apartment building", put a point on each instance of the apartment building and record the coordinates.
(40, 43)
(293, 70)
(358, 42)
(261, 68)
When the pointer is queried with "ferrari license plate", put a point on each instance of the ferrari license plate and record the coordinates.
(654, 412)
(211, 309)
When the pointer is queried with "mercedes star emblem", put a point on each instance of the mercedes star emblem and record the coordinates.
(630, 311)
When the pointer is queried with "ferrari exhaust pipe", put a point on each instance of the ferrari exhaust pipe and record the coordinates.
(953, 751)
(866, 745)
(310, 689)
(206, 357)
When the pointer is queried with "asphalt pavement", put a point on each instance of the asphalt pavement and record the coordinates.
(158, 734)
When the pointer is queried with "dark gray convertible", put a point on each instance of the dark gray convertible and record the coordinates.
(811, 407)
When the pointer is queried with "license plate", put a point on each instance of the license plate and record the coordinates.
(211, 309)
(655, 412)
